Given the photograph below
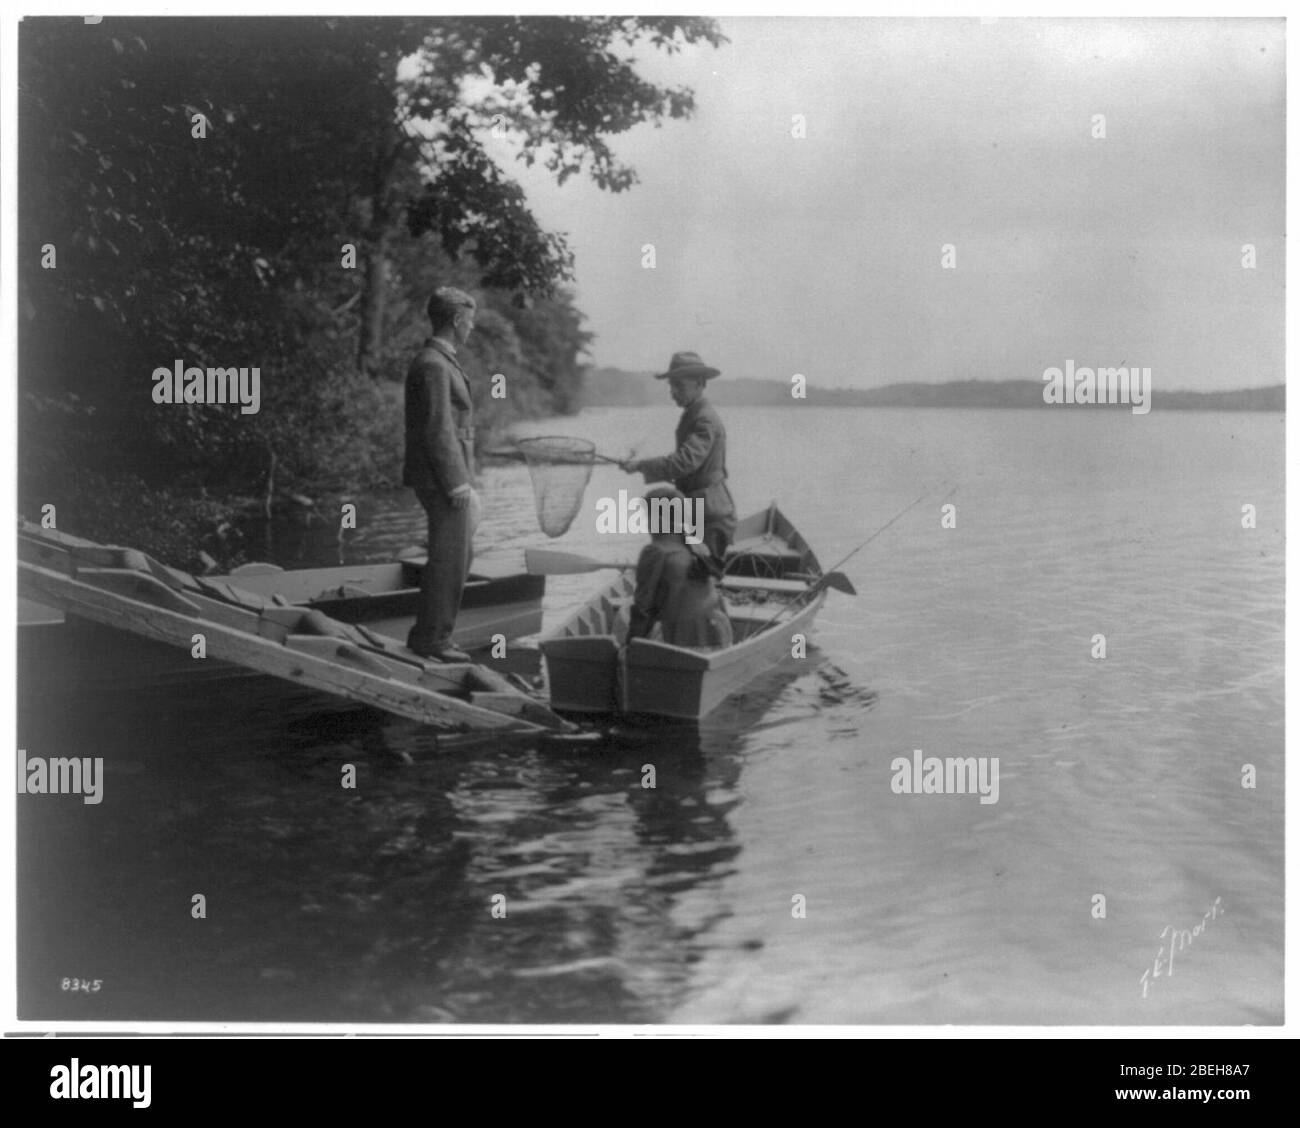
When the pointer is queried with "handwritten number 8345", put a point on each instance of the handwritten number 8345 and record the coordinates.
(87, 985)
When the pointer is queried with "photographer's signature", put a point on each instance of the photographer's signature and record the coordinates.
(1176, 940)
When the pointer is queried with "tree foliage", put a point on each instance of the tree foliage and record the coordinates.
(200, 179)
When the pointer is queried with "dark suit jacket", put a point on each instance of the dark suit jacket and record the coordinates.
(698, 467)
(439, 422)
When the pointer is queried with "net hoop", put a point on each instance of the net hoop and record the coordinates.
(560, 468)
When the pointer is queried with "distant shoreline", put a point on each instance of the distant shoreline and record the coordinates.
(952, 406)
(613, 387)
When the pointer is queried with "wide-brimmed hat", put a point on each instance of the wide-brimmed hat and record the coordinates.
(664, 492)
(688, 364)
(670, 494)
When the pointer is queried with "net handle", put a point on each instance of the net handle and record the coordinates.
(593, 454)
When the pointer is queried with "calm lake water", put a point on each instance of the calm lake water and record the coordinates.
(1119, 777)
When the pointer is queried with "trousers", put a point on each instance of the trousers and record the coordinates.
(719, 518)
(451, 549)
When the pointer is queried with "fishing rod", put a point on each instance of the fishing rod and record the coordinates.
(822, 583)
(886, 525)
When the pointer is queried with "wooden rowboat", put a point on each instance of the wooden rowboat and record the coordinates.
(209, 620)
(499, 600)
(771, 572)
(383, 597)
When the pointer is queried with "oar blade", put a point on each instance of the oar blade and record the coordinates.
(838, 581)
(551, 562)
(547, 562)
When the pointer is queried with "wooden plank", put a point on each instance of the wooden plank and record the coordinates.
(138, 585)
(763, 583)
(227, 593)
(216, 604)
(511, 703)
(43, 546)
(312, 631)
(337, 650)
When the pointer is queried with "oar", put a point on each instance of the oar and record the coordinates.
(549, 562)
(823, 582)
(837, 581)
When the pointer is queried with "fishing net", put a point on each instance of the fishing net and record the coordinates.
(560, 469)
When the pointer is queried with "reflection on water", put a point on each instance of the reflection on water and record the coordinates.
(373, 904)
(625, 903)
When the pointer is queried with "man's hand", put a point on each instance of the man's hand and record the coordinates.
(460, 497)
(629, 466)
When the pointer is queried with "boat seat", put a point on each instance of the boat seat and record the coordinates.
(413, 572)
(763, 583)
(748, 619)
(769, 556)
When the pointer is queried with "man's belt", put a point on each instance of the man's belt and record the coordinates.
(466, 433)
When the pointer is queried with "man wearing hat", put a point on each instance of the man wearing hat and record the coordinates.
(439, 467)
(698, 467)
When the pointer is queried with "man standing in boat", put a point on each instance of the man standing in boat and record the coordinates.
(698, 467)
(440, 468)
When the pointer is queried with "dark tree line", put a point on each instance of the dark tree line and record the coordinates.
(200, 182)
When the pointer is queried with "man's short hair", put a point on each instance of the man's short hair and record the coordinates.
(445, 304)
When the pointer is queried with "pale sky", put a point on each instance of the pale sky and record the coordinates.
(822, 255)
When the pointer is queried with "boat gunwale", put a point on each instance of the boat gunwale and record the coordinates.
(718, 658)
